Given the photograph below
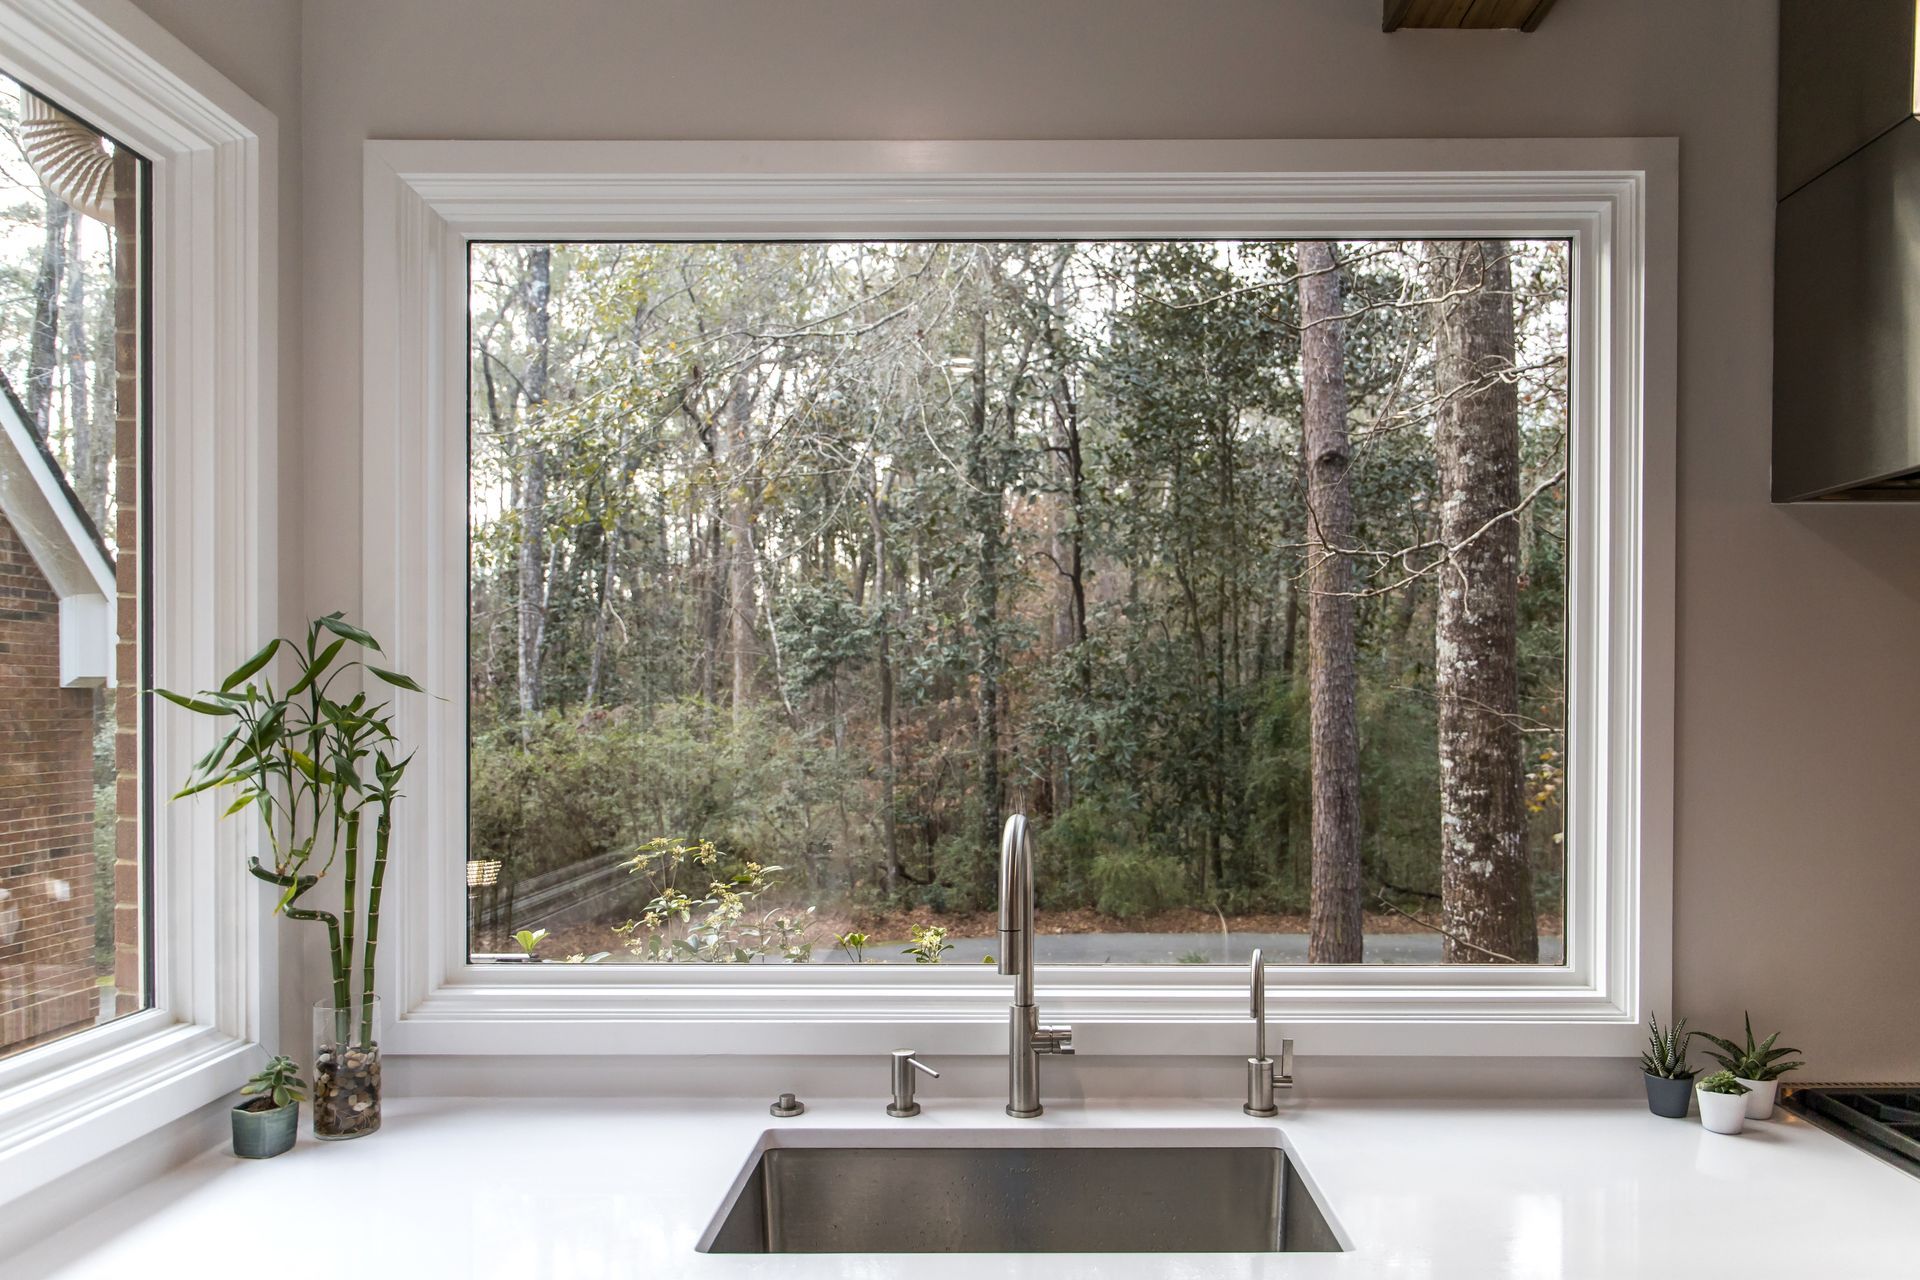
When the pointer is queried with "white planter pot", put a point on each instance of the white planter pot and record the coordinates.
(1722, 1112)
(1760, 1097)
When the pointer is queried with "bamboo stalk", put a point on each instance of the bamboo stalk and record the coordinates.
(382, 830)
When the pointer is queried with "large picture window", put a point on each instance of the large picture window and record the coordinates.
(1239, 566)
(73, 842)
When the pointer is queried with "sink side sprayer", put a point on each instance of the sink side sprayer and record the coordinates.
(1027, 1039)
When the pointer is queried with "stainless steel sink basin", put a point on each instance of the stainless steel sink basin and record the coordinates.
(1021, 1199)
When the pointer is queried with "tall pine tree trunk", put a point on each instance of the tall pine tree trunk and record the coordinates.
(533, 486)
(1334, 928)
(736, 474)
(889, 823)
(1486, 881)
(984, 477)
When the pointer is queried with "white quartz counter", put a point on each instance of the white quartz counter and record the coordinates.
(512, 1189)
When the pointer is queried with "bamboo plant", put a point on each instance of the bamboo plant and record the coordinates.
(317, 770)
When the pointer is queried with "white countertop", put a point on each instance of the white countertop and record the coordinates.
(582, 1189)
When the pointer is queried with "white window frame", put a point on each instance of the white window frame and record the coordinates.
(1614, 199)
(212, 562)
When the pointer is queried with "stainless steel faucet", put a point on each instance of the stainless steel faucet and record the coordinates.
(1027, 1039)
(1261, 1078)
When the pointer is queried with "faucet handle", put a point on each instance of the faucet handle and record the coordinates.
(904, 1065)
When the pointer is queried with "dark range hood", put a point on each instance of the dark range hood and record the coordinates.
(1846, 331)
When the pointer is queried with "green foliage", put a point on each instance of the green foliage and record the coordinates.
(717, 923)
(591, 790)
(854, 944)
(1752, 1061)
(529, 939)
(929, 447)
(1135, 883)
(1722, 1082)
(279, 1081)
(1666, 1052)
(928, 945)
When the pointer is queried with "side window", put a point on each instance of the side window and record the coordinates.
(74, 949)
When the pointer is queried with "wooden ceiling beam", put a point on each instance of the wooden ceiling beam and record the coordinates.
(1476, 15)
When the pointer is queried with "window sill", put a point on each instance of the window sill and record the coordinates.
(521, 1010)
(64, 1116)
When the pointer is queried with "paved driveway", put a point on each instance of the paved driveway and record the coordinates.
(1193, 948)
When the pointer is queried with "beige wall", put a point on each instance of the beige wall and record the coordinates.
(1797, 877)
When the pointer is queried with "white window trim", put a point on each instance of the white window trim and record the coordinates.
(1614, 198)
(213, 560)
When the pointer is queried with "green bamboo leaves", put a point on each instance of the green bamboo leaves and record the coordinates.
(298, 758)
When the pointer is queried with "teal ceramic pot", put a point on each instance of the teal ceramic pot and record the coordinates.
(260, 1134)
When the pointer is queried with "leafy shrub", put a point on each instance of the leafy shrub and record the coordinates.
(716, 926)
(965, 876)
(928, 945)
(1068, 847)
(1132, 883)
(597, 787)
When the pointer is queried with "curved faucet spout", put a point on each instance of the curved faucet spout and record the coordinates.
(1016, 907)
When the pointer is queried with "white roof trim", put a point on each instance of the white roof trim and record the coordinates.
(36, 502)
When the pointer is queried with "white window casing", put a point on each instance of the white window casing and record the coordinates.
(1613, 200)
(212, 563)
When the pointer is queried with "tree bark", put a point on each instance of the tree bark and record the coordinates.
(533, 486)
(985, 501)
(736, 474)
(889, 828)
(1334, 927)
(1486, 880)
(43, 352)
(73, 321)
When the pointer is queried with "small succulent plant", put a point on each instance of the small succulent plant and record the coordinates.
(1722, 1082)
(279, 1081)
(1752, 1061)
(1666, 1052)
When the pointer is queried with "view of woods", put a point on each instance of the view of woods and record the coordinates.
(1239, 567)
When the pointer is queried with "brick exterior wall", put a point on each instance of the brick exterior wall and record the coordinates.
(46, 815)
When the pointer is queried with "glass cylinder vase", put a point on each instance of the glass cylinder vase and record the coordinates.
(346, 1068)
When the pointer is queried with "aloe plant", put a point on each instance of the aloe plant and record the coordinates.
(1759, 1062)
(1722, 1082)
(1666, 1053)
(299, 758)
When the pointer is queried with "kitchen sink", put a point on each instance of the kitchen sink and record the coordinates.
(1018, 1197)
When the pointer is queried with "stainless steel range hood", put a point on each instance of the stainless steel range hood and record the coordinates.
(1846, 333)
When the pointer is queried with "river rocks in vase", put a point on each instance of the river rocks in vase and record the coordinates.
(346, 1091)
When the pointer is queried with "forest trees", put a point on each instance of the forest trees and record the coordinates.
(833, 554)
